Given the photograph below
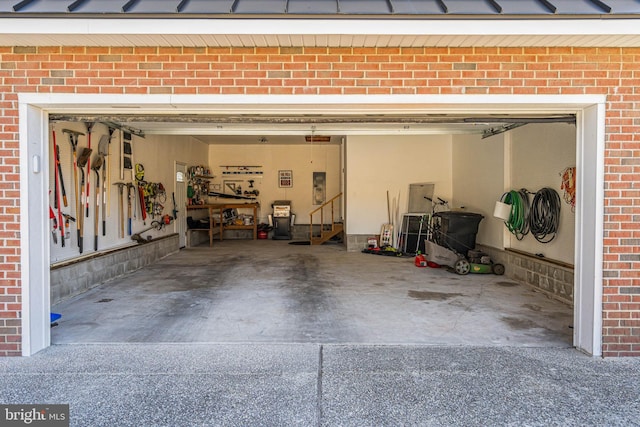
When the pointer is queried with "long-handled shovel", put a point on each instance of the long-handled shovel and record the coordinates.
(95, 166)
(89, 127)
(103, 150)
(82, 162)
(73, 140)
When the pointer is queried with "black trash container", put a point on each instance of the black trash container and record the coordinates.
(458, 230)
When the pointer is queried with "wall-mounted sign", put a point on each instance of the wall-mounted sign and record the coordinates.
(285, 179)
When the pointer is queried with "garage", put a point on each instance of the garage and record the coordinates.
(469, 154)
(217, 108)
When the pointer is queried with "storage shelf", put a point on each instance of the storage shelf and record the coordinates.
(238, 227)
(220, 227)
(256, 173)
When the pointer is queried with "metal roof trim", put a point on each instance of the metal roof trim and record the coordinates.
(305, 8)
(338, 16)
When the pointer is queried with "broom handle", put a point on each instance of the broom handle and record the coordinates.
(388, 209)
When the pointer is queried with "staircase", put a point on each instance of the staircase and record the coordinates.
(327, 231)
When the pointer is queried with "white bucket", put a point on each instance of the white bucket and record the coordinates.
(502, 211)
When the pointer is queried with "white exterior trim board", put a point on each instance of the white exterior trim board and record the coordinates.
(318, 32)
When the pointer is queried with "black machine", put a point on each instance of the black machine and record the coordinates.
(281, 219)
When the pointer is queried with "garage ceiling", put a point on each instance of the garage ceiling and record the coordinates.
(280, 129)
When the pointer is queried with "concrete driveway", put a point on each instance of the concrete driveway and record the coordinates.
(325, 385)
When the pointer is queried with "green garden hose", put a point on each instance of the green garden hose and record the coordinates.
(518, 222)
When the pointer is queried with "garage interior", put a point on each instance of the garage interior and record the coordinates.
(232, 287)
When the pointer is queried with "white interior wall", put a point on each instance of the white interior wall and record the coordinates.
(537, 154)
(157, 154)
(478, 181)
(302, 160)
(377, 164)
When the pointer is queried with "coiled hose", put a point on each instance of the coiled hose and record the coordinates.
(544, 217)
(518, 222)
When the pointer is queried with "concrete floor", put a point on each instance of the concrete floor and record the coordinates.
(271, 292)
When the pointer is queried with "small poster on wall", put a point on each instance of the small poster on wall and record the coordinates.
(285, 179)
(319, 187)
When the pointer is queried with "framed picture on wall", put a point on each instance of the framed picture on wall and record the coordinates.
(285, 179)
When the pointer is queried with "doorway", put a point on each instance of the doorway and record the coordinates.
(180, 215)
(589, 110)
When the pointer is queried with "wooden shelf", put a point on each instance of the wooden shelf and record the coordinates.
(238, 227)
(220, 208)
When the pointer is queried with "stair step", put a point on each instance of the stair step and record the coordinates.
(327, 234)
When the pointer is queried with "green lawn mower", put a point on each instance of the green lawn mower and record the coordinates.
(477, 263)
(452, 235)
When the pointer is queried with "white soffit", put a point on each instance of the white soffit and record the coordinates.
(319, 32)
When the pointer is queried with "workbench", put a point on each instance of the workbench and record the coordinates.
(221, 226)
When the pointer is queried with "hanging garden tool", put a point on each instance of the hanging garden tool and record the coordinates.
(97, 164)
(54, 231)
(103, 150)
(108, 168)
(73, 140)
(139, 175)
(58, 183)
(130, 199)
(89, 127)
(83, 158)
(60, 177)
(158, 225)
(121, 186)
(67, 220)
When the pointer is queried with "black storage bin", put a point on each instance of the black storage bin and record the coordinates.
(458, 230)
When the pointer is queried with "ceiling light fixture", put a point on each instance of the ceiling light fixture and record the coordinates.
(317, 138)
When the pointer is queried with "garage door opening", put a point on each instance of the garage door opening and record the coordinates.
(586, 135)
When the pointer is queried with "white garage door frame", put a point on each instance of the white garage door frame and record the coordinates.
(34, 110)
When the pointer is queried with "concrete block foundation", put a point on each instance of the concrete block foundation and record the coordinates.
(550, 277)
(76, 276)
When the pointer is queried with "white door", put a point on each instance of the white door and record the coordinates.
(180, 203)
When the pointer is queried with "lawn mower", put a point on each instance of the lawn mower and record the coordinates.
(451, 243)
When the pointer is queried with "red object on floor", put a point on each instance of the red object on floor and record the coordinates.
(420, 261)
(432, 264)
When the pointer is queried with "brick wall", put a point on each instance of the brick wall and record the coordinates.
(614, 72)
